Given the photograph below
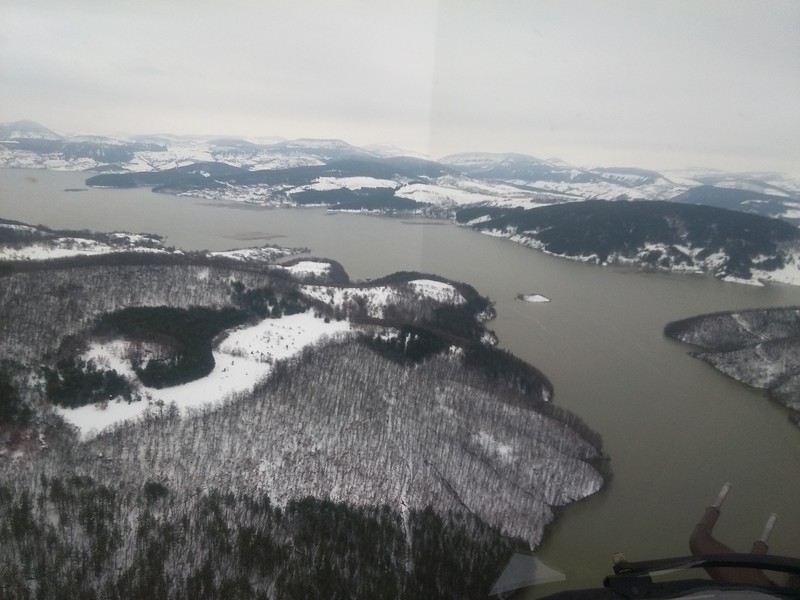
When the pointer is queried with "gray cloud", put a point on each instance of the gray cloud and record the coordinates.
(656, 84)
(608, 81)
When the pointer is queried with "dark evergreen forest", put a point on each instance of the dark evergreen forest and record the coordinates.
(609, 231)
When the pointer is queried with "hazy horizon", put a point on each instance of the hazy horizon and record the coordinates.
(662, 86)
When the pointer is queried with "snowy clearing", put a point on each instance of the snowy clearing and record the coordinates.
(243, 359)
(309, 267)
(450, 191)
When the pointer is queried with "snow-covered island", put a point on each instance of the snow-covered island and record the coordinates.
(254, 392)
(533, 298)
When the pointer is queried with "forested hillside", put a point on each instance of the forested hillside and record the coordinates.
(407, 459)
(42, 306)
(654, 234)
(369, 432)
(758, 347)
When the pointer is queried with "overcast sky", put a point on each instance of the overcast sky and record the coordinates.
(656, 84)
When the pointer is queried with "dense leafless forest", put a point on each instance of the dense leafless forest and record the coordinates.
(382, 465)
(759, 347)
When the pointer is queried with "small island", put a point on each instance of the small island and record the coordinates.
(533, 298)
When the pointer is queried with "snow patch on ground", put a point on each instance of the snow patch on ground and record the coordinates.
(789, 274)
(243, 359)
(266, 254)
(275, 339)
(452, 191)
(15, 227)
(66, 247)
(494, 447)
(351, 183)
(309, 267)
(375, 299)
(482, 219)
(437, 290)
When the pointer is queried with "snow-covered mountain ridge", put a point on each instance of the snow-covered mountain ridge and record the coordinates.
(276, 176)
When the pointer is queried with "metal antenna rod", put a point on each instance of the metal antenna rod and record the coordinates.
(726, 487)
(768, 528)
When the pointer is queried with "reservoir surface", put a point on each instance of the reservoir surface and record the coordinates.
(674, 428)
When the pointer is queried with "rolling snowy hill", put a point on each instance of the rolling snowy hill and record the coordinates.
(278, 172)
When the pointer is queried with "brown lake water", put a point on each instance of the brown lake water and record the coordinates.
(675, 429)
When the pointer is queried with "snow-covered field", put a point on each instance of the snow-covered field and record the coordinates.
(246, 354)
(350, 183)
(304, 268)
(462, 191)
(243, 359)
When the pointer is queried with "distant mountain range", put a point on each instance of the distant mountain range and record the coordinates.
(25, 139)
(335, 173)
(739, 227)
